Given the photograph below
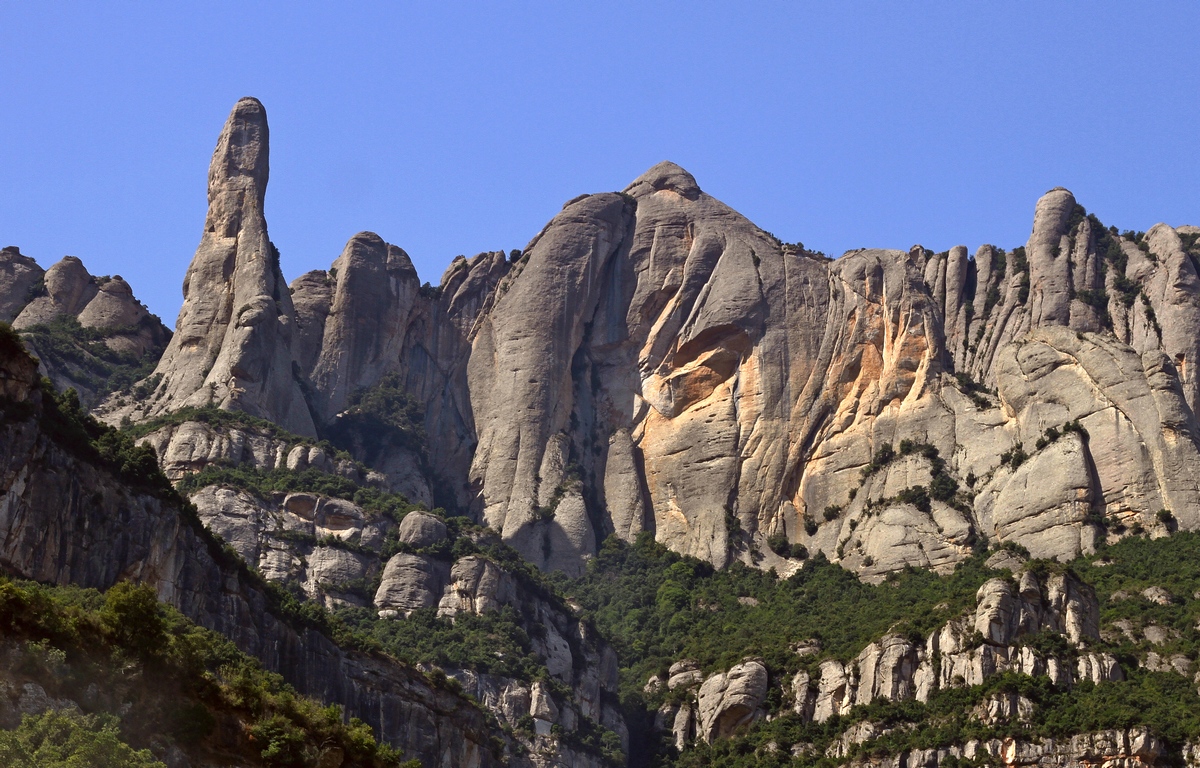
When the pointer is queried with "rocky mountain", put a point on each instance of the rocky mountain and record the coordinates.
(89, 333)
(433, 470)
(654, 361)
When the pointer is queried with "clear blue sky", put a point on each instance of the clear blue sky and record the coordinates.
(458, 127)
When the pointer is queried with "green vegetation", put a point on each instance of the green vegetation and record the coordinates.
(657, 607)
(266, 482)
(380, 416)
(82, 353)
(66, 739)
(66, 422)
(222, 419)
(1163, 700)
(1014, 457)
(492, 642)
(180, 678)
(973, 390)
(942, 487)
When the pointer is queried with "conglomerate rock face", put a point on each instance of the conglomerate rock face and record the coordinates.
(233, 345)
(653, 361)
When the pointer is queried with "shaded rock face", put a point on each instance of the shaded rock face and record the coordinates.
(233, 346)
(334, 551)
(50, 498)
(374, 287)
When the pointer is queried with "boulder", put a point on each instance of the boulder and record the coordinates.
(420, 529)
(411, 582)
(729, 700)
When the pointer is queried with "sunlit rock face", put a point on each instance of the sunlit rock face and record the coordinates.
(653, 361)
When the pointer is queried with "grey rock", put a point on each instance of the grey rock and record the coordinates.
(1004, 559)
(420, 529)
(233, 342)
(19, 277)
(729, 700)
(1005, 708)
(374, 288)
(476, 585)
(1099, 668)
(1158, 595)
(69, 288)
(411, 582)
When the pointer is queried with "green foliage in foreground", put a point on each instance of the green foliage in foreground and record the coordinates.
(188, 675)
(61, 739)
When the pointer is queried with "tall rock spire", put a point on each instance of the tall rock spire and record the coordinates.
(233, 342)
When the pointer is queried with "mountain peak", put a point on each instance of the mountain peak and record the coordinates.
(665, 175)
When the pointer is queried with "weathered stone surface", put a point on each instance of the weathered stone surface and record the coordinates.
(476, 585)
(519, 374)
(684, 674)
(421, 529)
(233, 342)
(193, 445)
(1099, 668)
(19, 279)
(50, 497)
(69, 288)
(374, 287)
(654, 361)
(411, 582)
(113, 306)
(886, 669)
(1158, 595)
(728, 700)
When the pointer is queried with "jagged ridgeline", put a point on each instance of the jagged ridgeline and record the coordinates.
(656, 489)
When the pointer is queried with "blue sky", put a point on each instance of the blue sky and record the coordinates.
(454, 128)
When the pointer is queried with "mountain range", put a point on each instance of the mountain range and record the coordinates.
(433, 506)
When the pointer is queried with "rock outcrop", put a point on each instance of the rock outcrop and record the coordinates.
(334, 550)
(730, 700)
(233, 342)
(654, 361)
(21, 280)
(65, 521)
(965, 651)
(114, 335)
(1115, 749)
